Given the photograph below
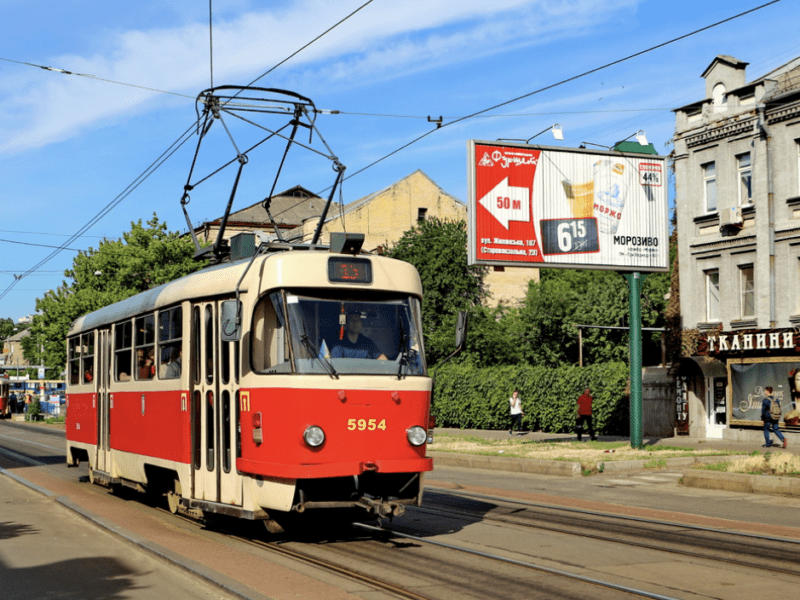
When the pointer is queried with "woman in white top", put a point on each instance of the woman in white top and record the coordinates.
(516, 413)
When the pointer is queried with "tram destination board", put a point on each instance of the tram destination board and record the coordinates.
(349, 270)
(543, 206)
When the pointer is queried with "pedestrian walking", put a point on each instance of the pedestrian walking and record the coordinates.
(771, 415)
(516, 413)
(584, 420)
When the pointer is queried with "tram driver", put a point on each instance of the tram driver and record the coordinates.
(354, 344)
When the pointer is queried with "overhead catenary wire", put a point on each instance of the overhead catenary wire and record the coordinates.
(185, 136)
(415, 140)
(182, 139)
(482, 112)
(560, 83)
(95, 77)
(321, 35)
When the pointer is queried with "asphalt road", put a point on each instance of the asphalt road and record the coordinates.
(50, 550)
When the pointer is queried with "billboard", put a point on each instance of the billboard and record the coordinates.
(564, 207)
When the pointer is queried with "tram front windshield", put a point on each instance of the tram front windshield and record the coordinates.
(352, 337)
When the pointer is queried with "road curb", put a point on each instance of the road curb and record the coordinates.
(563, 468)
(742, 482)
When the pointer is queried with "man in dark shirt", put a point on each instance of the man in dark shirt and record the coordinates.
(353, 344)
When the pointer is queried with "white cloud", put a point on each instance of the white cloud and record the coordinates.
(386, 39)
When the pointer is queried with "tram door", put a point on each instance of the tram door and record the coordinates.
(103, 399)
(214, 408)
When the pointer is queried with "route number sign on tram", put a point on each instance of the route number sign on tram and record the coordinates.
(564, 207)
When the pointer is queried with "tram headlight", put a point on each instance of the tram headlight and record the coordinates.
(416, 435)
(314, 436)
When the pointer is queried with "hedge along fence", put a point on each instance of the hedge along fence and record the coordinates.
(470, 398)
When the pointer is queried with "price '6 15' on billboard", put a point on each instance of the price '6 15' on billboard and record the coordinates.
(564, 207)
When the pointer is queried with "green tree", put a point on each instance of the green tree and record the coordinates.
(9, 328)
(146, 256)
(564, 298)
(438, 249)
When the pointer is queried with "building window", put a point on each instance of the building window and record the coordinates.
(745, 179)
(748, 294)
(719, 98)
(797, 149)
(421, 214)
(710, 186)
(712, 295)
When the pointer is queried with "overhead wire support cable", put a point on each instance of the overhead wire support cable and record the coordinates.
(90, 76)
(210, 44)
(321, 35)
(182, 139)
(560, 83)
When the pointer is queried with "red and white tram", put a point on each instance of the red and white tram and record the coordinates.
(5, 398)
(227, 390)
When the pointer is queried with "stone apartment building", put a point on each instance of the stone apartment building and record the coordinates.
(289, 209)
(382, 217)
(737, 177)
(12, 357)
(385, 215)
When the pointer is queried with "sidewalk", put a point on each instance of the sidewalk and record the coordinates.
(50, 551)
(692, 477)
(678, 441)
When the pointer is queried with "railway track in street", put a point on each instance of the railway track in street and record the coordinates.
(765, 553)
(480, 546)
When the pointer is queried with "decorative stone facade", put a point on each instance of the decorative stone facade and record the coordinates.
(737, 179)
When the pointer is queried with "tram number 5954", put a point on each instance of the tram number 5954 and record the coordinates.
(366, 424)
(569, 236)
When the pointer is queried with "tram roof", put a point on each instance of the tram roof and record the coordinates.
(221, 280)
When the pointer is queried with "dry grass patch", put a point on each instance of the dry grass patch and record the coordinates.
(782, 463)
(587, 453)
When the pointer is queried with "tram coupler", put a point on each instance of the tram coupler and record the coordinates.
(381, 508)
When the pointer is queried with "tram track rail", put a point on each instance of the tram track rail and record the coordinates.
(404, 593)
(760, 557)
(516, 506)
(526, 565)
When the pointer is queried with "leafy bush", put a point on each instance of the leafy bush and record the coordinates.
(467, 397)
(34, 409)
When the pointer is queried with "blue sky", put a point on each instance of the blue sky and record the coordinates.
(70, 144)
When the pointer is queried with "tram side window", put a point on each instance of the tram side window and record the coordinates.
(269, 351)
(170, 334)
(196, 345)
(74, 358)
(145, 347)
(87, 356)
(123, 340)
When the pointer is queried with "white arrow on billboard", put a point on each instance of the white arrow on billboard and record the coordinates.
(508, 203)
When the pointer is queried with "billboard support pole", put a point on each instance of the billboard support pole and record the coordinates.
(635, 281)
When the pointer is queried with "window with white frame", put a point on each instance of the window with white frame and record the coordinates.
(797, 152)
(710, 186)
(745, 179)
(712, 295)
(747, 292)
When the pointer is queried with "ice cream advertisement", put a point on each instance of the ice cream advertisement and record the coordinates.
(567, 207)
